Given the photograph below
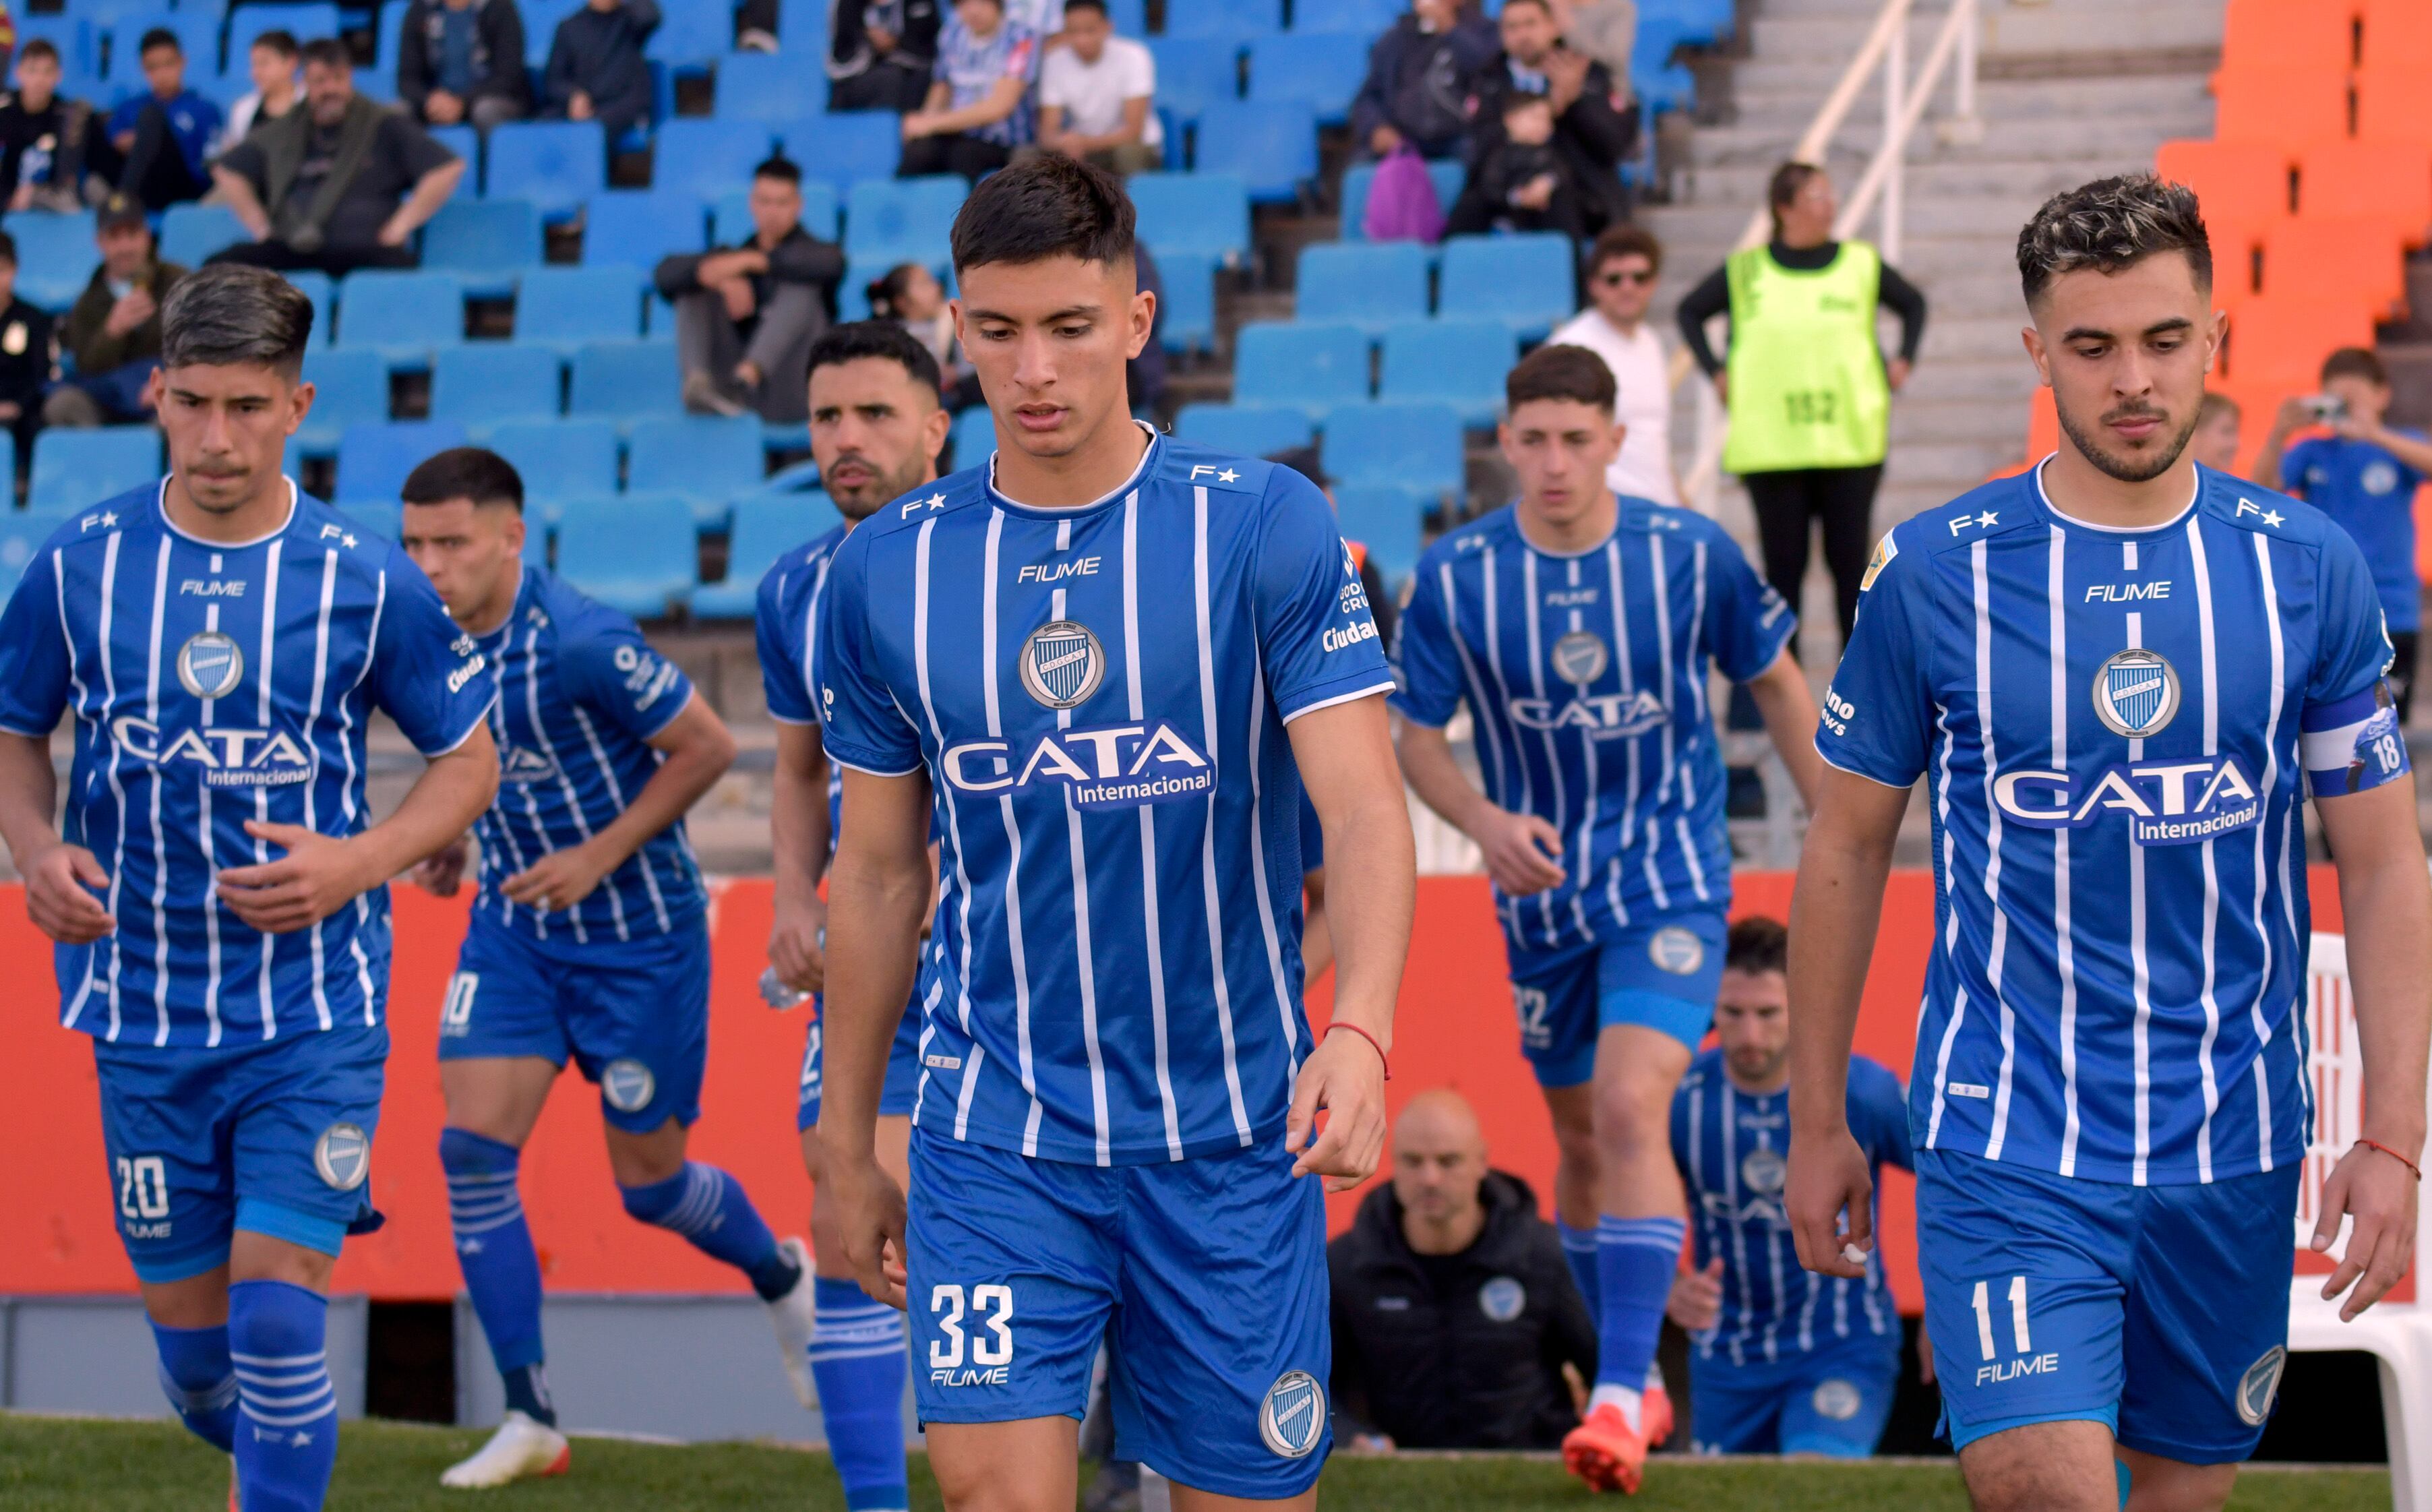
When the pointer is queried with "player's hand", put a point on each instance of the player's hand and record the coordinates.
(1521, 850)
(60, 888)
(870, 1215)
(443, 871)
(1896, 373)
(1696, 1301)
(316, 877)
(560, 880)
(1829, 1181)
(795, 948)
(1346, 1078)
(2379, 1193)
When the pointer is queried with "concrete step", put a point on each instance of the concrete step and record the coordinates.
(2167, 102)
(1744, 183)
(1972, 338)
(1925, 413)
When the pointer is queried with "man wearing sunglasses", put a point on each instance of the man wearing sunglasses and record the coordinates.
(1622, 267)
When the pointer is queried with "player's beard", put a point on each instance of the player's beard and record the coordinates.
(2130, 469)
(859, 504)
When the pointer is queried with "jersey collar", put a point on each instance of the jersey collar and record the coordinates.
(1521, 531)
(1149, 455)
(2194, 497)
(160, 505)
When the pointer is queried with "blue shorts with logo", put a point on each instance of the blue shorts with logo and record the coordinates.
(903, 1065)
(271, 1136)
(1832, 1400)
(1662, 974)
(1211, 1271)
(2160, 1311)
(632, 1014)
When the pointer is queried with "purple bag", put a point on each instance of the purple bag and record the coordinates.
(1402, 201)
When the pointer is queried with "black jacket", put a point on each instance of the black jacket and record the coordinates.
(1419, 83)
(1594, 135)
(849, 49)
(800, 258)
(1474, 1363)
(498, 51)
(600, 53)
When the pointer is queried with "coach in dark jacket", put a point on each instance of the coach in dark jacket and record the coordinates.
(1596, 124)
(1420, 74)
(1454, 1311)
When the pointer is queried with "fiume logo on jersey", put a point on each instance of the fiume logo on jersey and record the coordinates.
(343, 1156)
(210, 665)
(229, 757)
(1062, 664)
(628, 1085)
(2168, 802)
(2135, 693)
(1108, 766)
(1293, 1419)
(2261, 1385)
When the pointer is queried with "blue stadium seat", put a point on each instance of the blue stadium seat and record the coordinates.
(626, 379)
(76, 468)
(1194, 73)
(706, 158)
(1415, 445)
(306, 22)
(1445, 174)
(488, 243)
(1192, 213)
(730, 215)
(1313, 366)
(323, 294)
(350, 388)
(555, 164)
(540, 28)
(385, 521)
(374, 459)
(190, 233)
(1369, 284)
(1187, 319)
(706, 459)
(198, 37)
(1523, 280)
(767, 86)
(635, 554)
(403, 316)
(974, 436)
(21, 537)
(1272, 147)
(467, 144)
(385, 35)
(1321, 70)
(1362, 18)
(765, 527)
(1252, 433)
(638, 227)
(845, 146)
(1223, 19)
(1384, 518)
(560, 459)
(1129, 16)
(898, 219)
(484, 383)
(561, 308)
(108, 12)
(378, 84)
(1460, 363)
(692, 34)
(55, 255)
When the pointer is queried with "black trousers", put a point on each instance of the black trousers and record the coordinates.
(961, 153)
(1788, 503)
(2402, 671)
(154, 168)
(882, 86)
(337, 261)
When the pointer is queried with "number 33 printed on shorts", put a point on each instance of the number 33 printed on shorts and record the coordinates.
(984, 1335)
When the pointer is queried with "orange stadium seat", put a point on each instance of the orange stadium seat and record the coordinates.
(2292, 108)
(2236, 180)
(2364, 260)
(2393, 103)
(2381, 180)
(2397, 33)
(2280, 344)
(2235, 245)
(2289, 34)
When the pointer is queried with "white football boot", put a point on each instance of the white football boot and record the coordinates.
(520, 1449)
(792, 1318)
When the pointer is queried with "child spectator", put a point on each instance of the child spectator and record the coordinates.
(460, 60)
(1521, 182)
(42, 136)
(160, 139)
(2214, 443)
(910, 295)
(272, 62)
(979, 108)
(596, 71)
(1596, 126)
(1097, 95)
(25, 353)
(113, 332)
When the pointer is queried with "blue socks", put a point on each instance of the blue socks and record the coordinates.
(1580, 1251)
(709, 1207)
(1635, 1261)
(199, 1380)
(287, 1419)
(857, 1357)
(494, 1247)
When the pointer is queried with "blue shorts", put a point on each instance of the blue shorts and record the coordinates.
(1663, 974)
(633, 1015)
(903, 1066)
(1210, 1273)
(2159, 1311)
(274, 1137)
(1832, 1400)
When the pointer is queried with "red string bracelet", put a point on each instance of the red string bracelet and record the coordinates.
(2370, 1144)
(1372, 1045)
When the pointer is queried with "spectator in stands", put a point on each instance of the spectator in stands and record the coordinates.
(596, 68)
(113, 332)
(1421, 75)
(1621, 273)
(271, 61)
(42, 136)
(910, 295)
(2364, 475)
(157, 140)
(2214, 443)
(1097, 95)
(1456, 1320)
(1520, 182)
(341, 184)
(881, 53)
(463, 60)
(979, 108)
(746, 315)
(24, 354)
(1807, 385)
(1596, 126)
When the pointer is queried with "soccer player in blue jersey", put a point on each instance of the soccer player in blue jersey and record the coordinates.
(219, 892)
(1785, 1363)
(2111, 672)
(589, 940)
(877, 431)
(1110, 662)
(1581, 628)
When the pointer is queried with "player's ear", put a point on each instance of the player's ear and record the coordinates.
(934, 427)
(299, 402)
(1143, 312)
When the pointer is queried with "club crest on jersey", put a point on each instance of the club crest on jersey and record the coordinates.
(1293, 1419)
(2135, 693)
(1836, 1400)
(1764, 1171)
(343, 1156)
(1116, 766)
(628, 1085)
(1062, 664)
(1885, 550)
(1676, 950)
(1502, 1299)
(522, 764)
(2261, 1385)
(2168, 802)
(1580, 658)
(210, 665)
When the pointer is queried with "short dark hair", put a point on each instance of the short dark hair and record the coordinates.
(2355, 361)
(857, 339)
(1625, 240)
(1541, 5)
(7, 250)
(1522, 99)
(465, 472)
(1302, 460)
(225, 314)
(1757, 943)
(2111, 225)
(1042, 207)
(1098, 5)
(1560, 372)
(39, 47)
(278, 40)
(779, 166)
(329, 53)
(2215, 402)
(1783, 188)
(160, 36)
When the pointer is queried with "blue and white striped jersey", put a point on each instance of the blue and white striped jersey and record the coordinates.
(1099, 696)
(2110, 722)
(580, 693)
(1585, 675)
(213, 685)
(1732, 1151)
